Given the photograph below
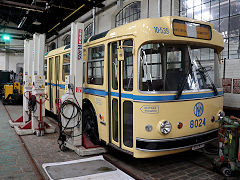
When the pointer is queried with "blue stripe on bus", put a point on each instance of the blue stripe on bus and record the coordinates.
(95, 92)
(59, 85)
(172, 97)
(115, 94)
(165, 97)
(145, 98)
(123, 95)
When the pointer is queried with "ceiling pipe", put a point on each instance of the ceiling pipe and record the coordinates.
(66, 18)
(7, 27)
(62, 7)
(85, 20)
(25, 17)
(19, 5)
(73, 12)
(13, 34)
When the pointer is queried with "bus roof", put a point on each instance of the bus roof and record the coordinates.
(57, 51)
(145, 30)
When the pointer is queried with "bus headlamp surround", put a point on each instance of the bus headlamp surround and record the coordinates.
(165, 127)
(221, 114)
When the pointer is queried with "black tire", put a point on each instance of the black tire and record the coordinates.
(226, 171)
(63, 148)
(90, 126)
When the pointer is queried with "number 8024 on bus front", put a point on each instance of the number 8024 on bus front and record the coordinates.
(197, 123)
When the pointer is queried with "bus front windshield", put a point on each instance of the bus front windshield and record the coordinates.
(177, 67)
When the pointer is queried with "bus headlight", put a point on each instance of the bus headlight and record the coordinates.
(221, 114)
(165, 127)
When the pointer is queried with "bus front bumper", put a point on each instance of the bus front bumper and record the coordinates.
(153, 145)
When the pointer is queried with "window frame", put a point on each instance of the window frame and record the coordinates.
(122, 19)
(88, 31)
(63, 73)
(46, 66)
(96, 60)
(66, 39)
(127, 65)
(163, 64)
(52, 46)
(232, 11)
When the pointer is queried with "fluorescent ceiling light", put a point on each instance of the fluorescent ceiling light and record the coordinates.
(22, 22)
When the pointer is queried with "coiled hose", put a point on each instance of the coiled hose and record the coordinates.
(32, 104)
(66, 131)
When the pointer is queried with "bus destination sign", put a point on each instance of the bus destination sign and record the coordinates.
(192, 30)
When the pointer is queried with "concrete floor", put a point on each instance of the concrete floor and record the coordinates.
(192, 165)
(43, 149)
(14, 160)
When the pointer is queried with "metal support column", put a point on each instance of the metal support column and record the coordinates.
(27, 84)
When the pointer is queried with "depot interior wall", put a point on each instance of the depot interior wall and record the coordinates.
(231, 99)
(105, 18)
(9, 59)
(2, 61)
(14, 59)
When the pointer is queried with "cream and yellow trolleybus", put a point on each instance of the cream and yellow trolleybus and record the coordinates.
(151, 87)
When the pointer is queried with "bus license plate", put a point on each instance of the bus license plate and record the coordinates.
(198, 147)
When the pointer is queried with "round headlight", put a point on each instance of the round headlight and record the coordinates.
(165, 127)
(221, 114)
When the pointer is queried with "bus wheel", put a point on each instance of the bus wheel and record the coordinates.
(90, 127)
(226, 171)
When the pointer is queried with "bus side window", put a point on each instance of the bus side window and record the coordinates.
(83, 71)
(128, 66)
(95, 65)
(114, 66)
(66, 66)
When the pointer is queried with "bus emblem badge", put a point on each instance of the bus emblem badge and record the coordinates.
(198, 109)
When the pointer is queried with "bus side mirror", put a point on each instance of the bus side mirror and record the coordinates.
(120, 53)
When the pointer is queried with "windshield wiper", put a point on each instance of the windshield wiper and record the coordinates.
(203, 73)
(182, 85)
(148, 74)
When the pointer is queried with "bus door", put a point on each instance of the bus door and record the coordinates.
(121, 106)
(57, 69)
(51, 75)
(46, 81)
